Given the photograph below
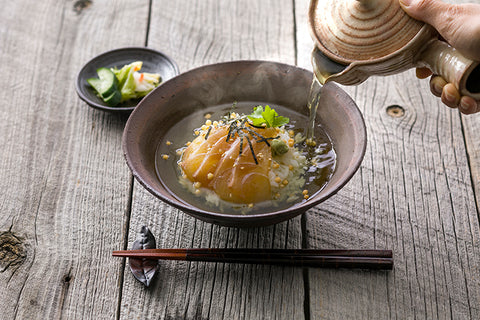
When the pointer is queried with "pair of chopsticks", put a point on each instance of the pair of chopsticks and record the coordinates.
(365, 259)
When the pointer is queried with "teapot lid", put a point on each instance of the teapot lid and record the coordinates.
(360, 30)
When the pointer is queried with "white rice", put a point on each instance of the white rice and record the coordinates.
(293, 190)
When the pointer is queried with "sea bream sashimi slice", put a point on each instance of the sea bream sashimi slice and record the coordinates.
(217, 164)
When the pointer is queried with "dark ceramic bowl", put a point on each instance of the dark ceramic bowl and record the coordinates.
(224, 83)
(153, 61)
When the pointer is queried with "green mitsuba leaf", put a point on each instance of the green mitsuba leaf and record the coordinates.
(268, 117)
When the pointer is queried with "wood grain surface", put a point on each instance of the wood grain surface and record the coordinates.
(65, 186)
(68, 198)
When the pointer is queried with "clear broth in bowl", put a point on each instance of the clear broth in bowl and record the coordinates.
(317, 172)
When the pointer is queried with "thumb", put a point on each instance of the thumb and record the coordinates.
(436, 13)
(458, 24)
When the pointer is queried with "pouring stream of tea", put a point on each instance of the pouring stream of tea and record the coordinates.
(323, 68)
(312, 104)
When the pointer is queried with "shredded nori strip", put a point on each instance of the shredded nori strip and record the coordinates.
(243, 130)
(266, 140)
(260, 137)
(258, 127)
(231, 130)
(254, 133)
(208, 132)
(251, 149)
(241, 146)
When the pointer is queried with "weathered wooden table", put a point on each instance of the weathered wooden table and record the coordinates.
(68, 198)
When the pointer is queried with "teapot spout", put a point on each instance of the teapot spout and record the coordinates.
(452, 66)
(326, 70)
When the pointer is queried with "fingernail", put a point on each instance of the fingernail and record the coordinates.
(437, 88)
(450, 97)
(468, 105)
(406, 3)
(451, 94)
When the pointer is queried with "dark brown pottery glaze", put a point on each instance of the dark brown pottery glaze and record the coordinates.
(259, 81)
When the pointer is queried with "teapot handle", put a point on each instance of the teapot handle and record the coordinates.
(451, 65)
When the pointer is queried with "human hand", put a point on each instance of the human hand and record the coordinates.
(459, 25)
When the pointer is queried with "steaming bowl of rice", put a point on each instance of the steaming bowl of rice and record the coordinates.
(175, 116)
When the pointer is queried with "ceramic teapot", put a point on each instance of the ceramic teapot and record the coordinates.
(356, 39)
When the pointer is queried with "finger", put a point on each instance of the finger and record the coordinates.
(468, 105)
(437, 84)
(450, 96)
(423, 73)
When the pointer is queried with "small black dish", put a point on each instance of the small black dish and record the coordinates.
(153, 62)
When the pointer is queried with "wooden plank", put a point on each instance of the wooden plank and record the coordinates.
(471, 127)
(413, 194)
(65, 185)
(196, 33)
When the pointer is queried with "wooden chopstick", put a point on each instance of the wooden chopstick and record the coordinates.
(369, 259)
